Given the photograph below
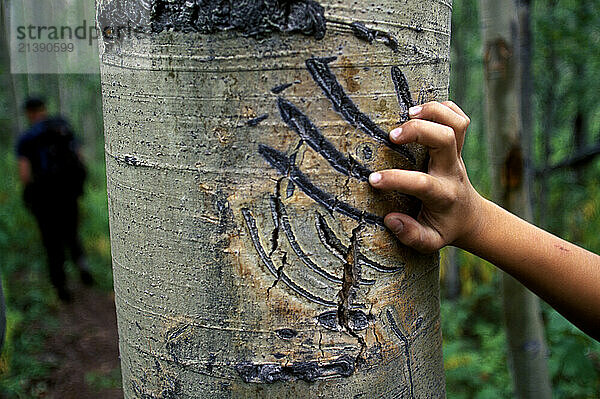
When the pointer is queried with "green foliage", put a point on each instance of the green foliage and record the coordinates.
(566, 63)
(100, 381)
(474, 340)
(475, 347)
(32, 305)
(574, 359)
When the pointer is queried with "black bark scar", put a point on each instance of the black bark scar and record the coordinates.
(118, 19)
(250, 18)
(309, 133)
(406, 342)
(335, 246)
(282, 164)
(279, 274)
(402, 92)
(279, 88)
(310, 371)
(320, 72)
(369, 35)
(287, 228)
(255, 121)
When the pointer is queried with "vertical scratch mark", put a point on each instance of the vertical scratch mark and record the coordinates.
(276, 217)
(402, 92)
(335, 246)
(406, 342)
(289, 191)
(348, 291)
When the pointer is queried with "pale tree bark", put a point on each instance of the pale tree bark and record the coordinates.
(248, 250)
(14, 123)
(526, 346)
(452, 283)
(33, 72)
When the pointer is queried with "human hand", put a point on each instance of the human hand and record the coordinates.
(451, 206)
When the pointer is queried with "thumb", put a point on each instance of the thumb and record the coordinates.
(412, 233)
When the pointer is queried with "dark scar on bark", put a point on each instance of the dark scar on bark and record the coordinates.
(278, 89)
(286, 333)
(322, 75)
(335, 246)
(282, 164)
(276, 204)
(406, 342)
(309, 133)
(257, 120)
(369, 35)
(402, 92)
(329, 320)
(279, 274)
(289, 191)
(250, 18)
(310, 371)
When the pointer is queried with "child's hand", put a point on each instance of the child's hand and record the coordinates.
(450, 203)
(563, 274)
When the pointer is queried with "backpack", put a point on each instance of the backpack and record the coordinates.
(59, 168)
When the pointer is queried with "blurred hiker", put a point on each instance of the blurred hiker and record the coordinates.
(52, 174)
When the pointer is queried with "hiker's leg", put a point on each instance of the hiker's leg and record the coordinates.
(51, 239)
(71, 233)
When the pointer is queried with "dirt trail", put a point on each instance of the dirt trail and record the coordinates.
(86, 349)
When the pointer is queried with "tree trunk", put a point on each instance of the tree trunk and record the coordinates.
(548, 109)
(12, 123)
(452, 283)
(526, 87)
(248, 250)
(524, 329)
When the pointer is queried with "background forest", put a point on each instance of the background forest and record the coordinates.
(565, 119)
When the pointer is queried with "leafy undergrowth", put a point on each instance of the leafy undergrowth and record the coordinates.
(32, 308)
(475, 355)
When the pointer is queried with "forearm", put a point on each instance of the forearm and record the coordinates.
(564, 275)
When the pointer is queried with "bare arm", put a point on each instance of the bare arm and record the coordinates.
(564, 275)
(24, 170)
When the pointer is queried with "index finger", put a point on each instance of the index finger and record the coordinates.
(444, 114)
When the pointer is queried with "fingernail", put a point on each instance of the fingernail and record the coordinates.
(395, 134)
(375, 178)
(394, 224)
(414, 111)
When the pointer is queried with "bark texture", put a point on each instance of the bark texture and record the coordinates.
(507, 143)
(248, 250)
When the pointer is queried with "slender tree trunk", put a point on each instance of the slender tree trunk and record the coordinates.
(248, 250)
(13, 124)
(548, 108)
(506, 140)
(452, 284)
(458, 86)
(526, 85)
